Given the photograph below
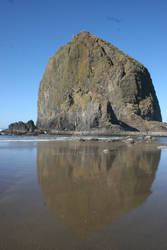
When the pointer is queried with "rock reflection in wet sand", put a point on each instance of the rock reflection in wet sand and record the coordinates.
(87, 189)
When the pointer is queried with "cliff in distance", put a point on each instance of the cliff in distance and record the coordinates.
(90, 84)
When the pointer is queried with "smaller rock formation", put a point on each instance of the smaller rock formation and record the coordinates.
(21, 127)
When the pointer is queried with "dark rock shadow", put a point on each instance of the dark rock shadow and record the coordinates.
(127, 127)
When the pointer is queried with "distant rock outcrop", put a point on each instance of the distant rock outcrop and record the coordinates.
(91, 84)
(21, 127)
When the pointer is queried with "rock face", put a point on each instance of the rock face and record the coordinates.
(21, 127)
(90, 84)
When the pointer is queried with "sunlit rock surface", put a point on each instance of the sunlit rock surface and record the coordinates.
(90, 84)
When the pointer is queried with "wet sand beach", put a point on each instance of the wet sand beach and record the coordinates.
(83, 195)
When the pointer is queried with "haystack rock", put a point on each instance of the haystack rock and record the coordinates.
(91, 84)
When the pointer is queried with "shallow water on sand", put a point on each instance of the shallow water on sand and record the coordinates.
(77, 195)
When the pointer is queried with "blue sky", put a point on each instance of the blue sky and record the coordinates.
(33, 30)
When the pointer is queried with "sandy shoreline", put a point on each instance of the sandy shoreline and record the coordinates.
(101, 132)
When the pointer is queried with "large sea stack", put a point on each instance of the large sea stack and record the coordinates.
(91, 84)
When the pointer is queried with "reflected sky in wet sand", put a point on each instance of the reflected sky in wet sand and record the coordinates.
(72, 195)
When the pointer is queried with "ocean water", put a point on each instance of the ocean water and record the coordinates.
(62, 193)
